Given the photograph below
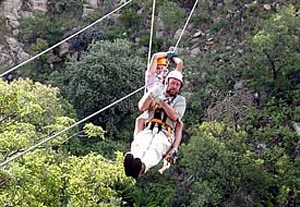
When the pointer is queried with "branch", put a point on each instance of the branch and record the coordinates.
(272, 64)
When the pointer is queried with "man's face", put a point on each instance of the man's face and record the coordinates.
(173, 86)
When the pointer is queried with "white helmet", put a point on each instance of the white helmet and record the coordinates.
(175, 74)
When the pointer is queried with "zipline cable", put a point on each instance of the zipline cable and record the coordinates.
(150, 40)
(70, 127)
(64, 40)
(151, 33)
(186, 23)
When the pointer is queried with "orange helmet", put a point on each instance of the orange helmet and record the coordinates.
(162, 61)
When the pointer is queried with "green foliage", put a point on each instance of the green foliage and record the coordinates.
(277, 144)
(172, 16)
(28, 112)
(157, 43)
(130, 17)
(49, 176)
(41, 27)
(221, 164)
(94, 181)
(107, 72)
(276, 56)
(31, 184)
(160, 190)
(48, 179)
(34, 103)
(94, 131)
(38, 46)
(218, 26)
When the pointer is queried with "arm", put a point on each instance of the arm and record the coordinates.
(145, 102)
(179, 63)
(176, 112)
(171, 113)
(178, 134)
(153, 64)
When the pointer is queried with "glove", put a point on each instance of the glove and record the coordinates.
(172, 156)
(159, 99)
(171, 54)
(157, 90)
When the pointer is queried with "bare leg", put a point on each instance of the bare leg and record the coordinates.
(139, 126)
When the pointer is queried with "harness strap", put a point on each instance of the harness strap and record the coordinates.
(160, 124)
(160, 121)
(157, 115)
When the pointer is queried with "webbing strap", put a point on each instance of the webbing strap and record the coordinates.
(157, 119)
(160, 124)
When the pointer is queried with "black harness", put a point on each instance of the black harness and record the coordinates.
(158, 111)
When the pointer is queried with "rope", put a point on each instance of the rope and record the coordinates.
(66, 39)
(151, 33)
(66, 129)
(150, 40)
(186, 23)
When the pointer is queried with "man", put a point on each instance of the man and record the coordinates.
(164, 108)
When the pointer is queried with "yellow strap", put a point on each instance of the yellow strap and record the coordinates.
(158, 121)
(156, 106)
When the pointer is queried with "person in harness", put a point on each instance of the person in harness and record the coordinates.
(156, 74)
(164, 108)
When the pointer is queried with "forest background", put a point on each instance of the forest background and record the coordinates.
(241, 143)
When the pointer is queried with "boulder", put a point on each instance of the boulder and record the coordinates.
(64, 49)
(87, 10)
(39, 5)
(16, 49)
(198, 34)
(195, 52)
(92, 3)
(178, 33)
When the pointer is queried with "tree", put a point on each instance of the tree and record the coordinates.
(221, 169)
(27, 112)
(50, 175)
(106, 72)
(275, 54)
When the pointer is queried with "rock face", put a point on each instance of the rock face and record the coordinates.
(39, 5)
(17, 49)
(11, 11)
(92, 3)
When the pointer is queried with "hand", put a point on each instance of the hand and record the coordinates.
(173, 156)
(157, 90)
(171, 54)
(159, 99)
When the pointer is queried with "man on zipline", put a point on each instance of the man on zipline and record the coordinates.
(165, 107)
(156, 74)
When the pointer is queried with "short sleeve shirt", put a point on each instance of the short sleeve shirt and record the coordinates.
(178, 104)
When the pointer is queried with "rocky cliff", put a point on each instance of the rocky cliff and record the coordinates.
(11, 11)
